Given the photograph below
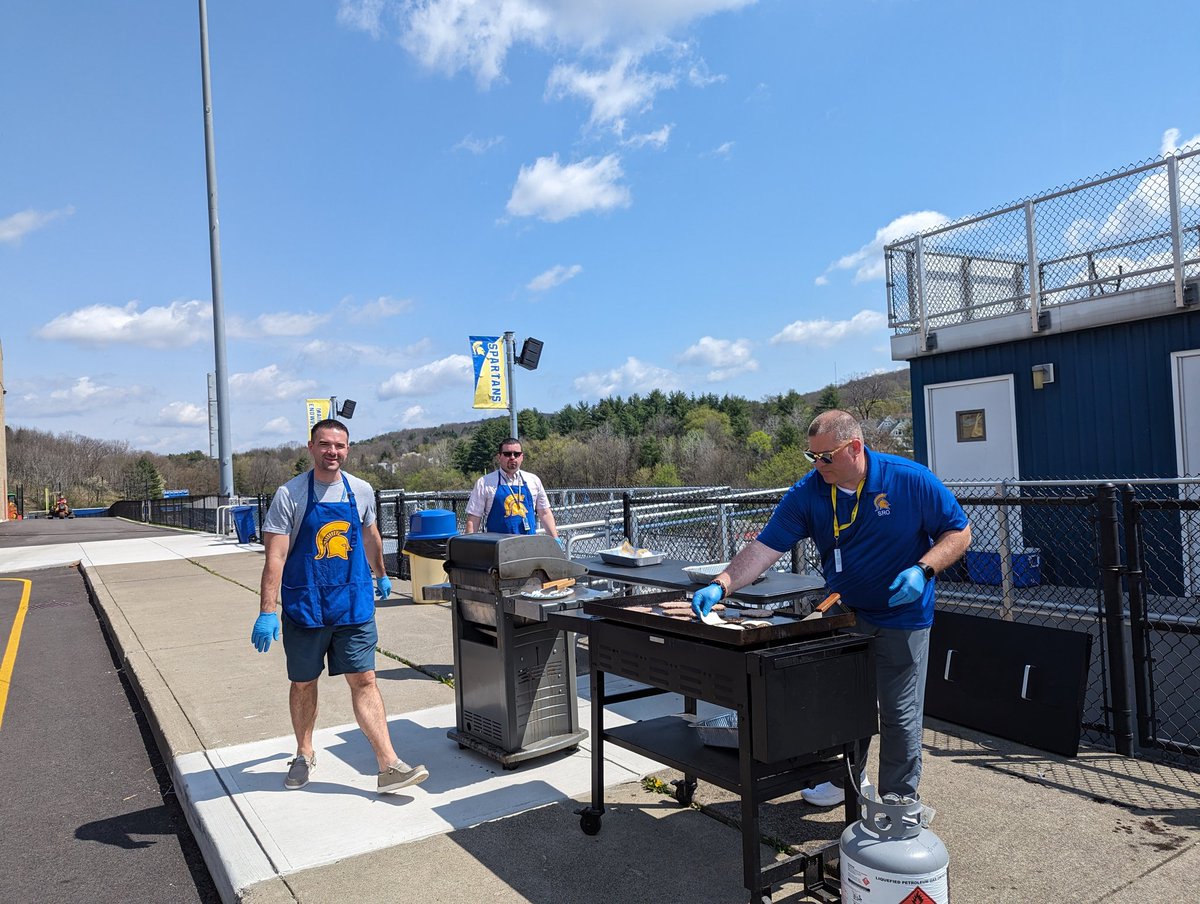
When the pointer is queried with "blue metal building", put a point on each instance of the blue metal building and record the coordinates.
(1059, 339)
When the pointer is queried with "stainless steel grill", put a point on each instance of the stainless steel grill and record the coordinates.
(514, 675)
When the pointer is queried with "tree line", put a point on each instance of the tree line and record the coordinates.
(657, 439)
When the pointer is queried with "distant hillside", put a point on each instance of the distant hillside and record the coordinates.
(659, 439)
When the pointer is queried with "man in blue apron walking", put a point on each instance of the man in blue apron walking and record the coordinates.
(324, 561)
(509, 500)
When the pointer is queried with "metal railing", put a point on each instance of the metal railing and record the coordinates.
(1117, 559)
(1130, 230)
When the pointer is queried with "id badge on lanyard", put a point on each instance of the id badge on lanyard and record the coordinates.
(838, 527)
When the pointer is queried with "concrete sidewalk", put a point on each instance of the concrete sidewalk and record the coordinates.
(1019, 824)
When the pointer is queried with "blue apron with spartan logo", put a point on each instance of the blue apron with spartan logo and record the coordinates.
(326, 577)
(512, 509)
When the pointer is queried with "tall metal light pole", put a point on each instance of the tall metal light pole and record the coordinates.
(224, 443)
(510, 353)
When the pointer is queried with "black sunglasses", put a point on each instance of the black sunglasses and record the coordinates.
(509, 453)
(826, 457)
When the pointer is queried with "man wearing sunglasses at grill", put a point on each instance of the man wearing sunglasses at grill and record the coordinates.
(510, 500)
(884, 526)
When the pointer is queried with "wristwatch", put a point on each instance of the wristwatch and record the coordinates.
(927, 570)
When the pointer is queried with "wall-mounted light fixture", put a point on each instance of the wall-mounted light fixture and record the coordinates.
(1042, 374)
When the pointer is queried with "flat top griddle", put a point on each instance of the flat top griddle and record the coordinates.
(776, 586)
(783, 626)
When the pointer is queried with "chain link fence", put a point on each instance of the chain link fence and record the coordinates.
(1129, 230)
(1117, 561)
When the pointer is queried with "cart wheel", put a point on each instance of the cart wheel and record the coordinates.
(590, 823)
(684, 792)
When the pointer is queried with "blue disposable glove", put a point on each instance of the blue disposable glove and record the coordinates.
(383, 587)
(562, 544)
(266, 629)
(908, 586)
(705, 598)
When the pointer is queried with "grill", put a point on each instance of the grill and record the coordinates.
(514, 675)
(802, 695)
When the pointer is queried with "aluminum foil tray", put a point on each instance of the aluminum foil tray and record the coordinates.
(719, 731)
(616, 557)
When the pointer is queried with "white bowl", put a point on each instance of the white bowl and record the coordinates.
(703, 574)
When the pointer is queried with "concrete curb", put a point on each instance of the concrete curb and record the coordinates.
(176, 738)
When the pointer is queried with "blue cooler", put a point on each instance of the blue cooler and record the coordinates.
(983, 567)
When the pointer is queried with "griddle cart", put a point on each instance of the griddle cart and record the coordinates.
(799, 705)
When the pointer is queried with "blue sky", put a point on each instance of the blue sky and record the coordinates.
(670, 194)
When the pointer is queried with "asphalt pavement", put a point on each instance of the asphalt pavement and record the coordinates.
(1019, 824)
(86, 801)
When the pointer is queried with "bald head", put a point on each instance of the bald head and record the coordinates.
(839, 425)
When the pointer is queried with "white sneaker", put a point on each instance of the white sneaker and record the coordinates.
(826, 794)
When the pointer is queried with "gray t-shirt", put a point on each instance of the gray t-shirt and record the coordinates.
(291, 499)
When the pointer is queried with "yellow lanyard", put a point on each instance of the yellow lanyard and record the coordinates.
(833, 498)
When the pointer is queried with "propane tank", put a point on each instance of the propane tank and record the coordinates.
(890, 856)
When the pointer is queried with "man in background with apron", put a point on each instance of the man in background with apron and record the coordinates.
(324, 561)
(509, 500)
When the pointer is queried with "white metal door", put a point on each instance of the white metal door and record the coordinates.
(1185, 373)
(971, 427)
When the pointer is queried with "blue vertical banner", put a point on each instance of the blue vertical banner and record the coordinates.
(491, 380)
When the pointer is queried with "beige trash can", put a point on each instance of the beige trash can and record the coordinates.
(424, 573)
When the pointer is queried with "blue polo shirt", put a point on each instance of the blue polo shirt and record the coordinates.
(903, 509)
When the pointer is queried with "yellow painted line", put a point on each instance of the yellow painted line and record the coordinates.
(14, 641)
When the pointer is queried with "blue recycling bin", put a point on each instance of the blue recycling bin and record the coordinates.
(243, 523)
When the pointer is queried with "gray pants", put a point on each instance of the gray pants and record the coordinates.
(901, 660)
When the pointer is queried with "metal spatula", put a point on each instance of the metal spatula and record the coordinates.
(819, 609)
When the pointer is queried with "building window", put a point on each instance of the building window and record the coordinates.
(971, 426)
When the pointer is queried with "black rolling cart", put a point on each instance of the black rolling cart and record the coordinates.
(802, 695)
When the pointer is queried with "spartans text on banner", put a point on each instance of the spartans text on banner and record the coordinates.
(491, 381)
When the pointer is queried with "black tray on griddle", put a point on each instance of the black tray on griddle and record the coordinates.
(782, 627)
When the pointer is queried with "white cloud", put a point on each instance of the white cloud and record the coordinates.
(413, 416)
(477, 35)
(553, 192)
(824, 333)
(451, 372)
(182, 414)
(381, 308)
(1170, 142)
(657, 139)
(555, 276)
(17, 226)
(632, 376)
(478, 146)
(273, 326)
(319, 352)
(364, 15)
(179, 323)
(84, 396)
(726, 357)
(724, 150)
(270, 384)
(278, 426)
(867, 262)
(613, 93)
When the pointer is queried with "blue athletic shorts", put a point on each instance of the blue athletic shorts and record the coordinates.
(349, 648)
